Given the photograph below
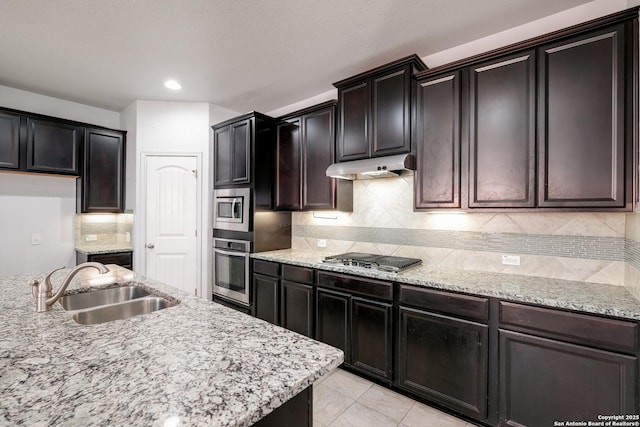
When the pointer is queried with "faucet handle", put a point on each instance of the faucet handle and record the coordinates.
(34, 287)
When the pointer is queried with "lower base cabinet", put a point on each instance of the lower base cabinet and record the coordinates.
(444, 359)
(296, 307)
(545, 380)
(359, 326)
(123, 259)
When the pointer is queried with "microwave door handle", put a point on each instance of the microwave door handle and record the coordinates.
(234, 203)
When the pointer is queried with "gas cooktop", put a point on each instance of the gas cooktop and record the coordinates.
(393, 264)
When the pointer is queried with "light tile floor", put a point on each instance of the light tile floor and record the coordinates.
(342, 399)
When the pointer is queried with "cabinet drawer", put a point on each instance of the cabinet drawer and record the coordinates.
(356, 285)
(297, 274)
(119, 258)
(466, 306)
(573, 327)
(266, 267)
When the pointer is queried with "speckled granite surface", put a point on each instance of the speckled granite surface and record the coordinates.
(197, 363)
(104, 249)
(581, 296)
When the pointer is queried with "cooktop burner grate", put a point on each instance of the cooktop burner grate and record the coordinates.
(376, 262)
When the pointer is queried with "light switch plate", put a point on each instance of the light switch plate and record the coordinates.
(91, 237)
(510, 259)
(36, 239)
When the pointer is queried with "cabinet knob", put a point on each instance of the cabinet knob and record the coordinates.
(150, 245)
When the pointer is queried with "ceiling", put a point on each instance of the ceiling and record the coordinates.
(239, 54)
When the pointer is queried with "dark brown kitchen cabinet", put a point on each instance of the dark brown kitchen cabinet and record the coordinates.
(283, 295)
(502, 109)
(101, 184)
(443, 348)
(53, 146)
(584, 95)
(548, 123)
(244, 155)
(266, 296)
(556, 365)
(305, 148)
(437, 178)
(123, 259)
(232, 150)
(375, 111)
(354, 314)
(9, 140)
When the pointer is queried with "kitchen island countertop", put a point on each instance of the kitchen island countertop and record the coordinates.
(198, 363)
(608, 300)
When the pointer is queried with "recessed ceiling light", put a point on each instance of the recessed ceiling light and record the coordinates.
(173, 85)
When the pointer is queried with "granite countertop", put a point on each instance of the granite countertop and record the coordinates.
(198, 363)
(104, 249)
(587, 297)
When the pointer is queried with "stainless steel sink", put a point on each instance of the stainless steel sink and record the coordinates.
(123, 310)
(102, 297)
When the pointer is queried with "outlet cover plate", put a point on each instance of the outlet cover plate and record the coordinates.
(510, 260)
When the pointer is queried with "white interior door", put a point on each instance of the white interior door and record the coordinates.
(171, 220)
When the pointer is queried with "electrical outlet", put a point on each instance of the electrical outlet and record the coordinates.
(91, 237)
(36, 239)
(322, 243)
(510, 259)
(127, 236)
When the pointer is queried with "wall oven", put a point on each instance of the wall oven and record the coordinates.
(231, 209)
(231, 269)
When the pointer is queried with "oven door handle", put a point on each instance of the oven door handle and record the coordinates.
(232, 253)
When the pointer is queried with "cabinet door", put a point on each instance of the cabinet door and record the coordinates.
(103, 171)
(297, 307)
(353, 122)
(581, 121)
(241, 152)
(9, 141)
(437, 178)
(289, 165)
(53, 147)
(542, 381)
(502, 132)
(266, 294)
(231, 153)
(319, 191)
(391, 113)
(444, 359)
(372, 338)
(123, 259)
(332, 317)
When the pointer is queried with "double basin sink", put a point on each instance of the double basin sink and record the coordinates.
(115, 303)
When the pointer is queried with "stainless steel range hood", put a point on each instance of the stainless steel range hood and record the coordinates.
(379, 167)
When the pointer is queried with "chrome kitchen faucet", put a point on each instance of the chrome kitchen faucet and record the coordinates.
(42, 291)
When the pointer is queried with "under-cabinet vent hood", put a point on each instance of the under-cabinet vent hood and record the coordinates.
(379, 167)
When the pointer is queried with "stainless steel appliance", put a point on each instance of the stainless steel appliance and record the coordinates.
(389, 263)
(231, 209)
(231, 269)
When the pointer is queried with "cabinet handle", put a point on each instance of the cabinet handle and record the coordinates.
(150, 245)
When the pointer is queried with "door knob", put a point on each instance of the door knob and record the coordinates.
(150, 245)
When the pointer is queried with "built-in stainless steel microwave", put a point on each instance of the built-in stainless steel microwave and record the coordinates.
(231, 209)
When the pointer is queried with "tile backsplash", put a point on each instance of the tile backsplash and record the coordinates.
(593, 247)
(105, 228)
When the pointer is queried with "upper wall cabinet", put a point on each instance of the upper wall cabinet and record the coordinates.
(53, 146)
(101, 185)
(9, 140)
(305, 148)
(375, 111)
(244, 155)
(547, 123)
(582, 105)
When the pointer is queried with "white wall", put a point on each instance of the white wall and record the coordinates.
(36, 204)
(42, 204)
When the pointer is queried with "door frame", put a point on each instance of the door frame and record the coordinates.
(141, 238)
